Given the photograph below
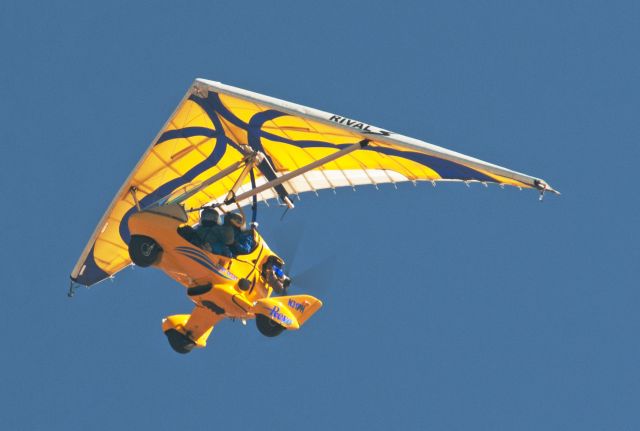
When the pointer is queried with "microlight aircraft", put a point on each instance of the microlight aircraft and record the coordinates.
(229, 148)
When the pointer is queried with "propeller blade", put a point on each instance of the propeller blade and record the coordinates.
(287, 242)
(317, 277)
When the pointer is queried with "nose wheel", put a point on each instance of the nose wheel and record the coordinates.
(144, 251)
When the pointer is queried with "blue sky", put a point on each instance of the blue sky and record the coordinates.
(450, 308)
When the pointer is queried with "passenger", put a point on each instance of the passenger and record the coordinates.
(243, 239)
(244, 242)
(235, 220)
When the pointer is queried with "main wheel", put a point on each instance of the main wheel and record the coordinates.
(179, 342)
(144, 251)
(268, 327)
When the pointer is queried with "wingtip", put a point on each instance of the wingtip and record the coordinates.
(544, 187)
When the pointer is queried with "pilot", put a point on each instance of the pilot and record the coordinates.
(208, 217)
(214, 238)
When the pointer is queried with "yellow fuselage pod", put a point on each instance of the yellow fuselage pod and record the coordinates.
(196, 269)
(192, 266)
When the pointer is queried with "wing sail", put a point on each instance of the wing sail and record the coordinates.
(213, 129)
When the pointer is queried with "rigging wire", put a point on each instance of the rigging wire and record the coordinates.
(254, 203)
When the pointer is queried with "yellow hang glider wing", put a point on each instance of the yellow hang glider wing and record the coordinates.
(225, 144)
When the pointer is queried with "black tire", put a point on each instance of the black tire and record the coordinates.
(268, 327)
(144, 251)
(179, 342)
(244, 284)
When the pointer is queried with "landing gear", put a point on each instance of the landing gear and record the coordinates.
(179, 342)
(144, 251)
(268, 327)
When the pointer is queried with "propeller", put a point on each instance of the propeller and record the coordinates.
(287, 241)
(317, 277)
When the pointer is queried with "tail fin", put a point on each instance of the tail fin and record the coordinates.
(289, 311)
